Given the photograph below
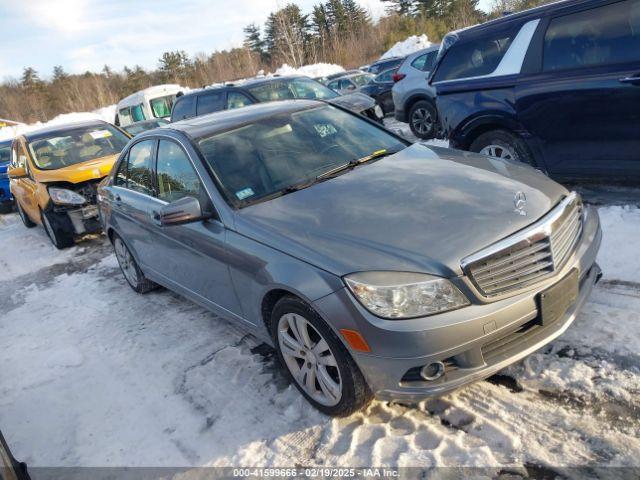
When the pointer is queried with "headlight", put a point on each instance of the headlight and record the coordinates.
(63, 196)
(378, 110)
(404, 295)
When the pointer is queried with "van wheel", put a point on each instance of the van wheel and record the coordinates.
(316, 361)
(59, 229)
(24, 217)
(423, 120)
(132, 273)
(503, 144)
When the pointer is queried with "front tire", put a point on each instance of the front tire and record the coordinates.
(316, 361)
(24, 217)
(423, 120)
(503, 144)
(59, 229)
(132, 273)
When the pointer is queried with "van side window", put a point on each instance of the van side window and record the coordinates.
(137, 113)
(183, 108)
(210, 102)
(474, 58)
(140, 167)
(237, 100)
(176, 176)
(599, 36)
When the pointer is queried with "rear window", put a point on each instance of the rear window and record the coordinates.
(424, 62)
(600, 36)
(474, 58)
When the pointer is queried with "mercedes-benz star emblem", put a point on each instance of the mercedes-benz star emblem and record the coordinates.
(520, 201)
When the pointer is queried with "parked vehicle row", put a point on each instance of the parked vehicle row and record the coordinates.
(201, 102)
(374, 266)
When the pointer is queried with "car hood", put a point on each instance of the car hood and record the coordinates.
(423, 209)
(80, 172)
(356, 102)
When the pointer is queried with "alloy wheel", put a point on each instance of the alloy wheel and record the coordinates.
(309, 359)
(422, 121)
(126, 261)
(499, 151)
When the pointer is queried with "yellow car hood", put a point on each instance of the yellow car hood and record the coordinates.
(80, 172)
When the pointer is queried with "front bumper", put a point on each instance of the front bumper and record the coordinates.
(473, 342)
(84, 220)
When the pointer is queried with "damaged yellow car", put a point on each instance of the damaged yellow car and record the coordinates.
(54, 174)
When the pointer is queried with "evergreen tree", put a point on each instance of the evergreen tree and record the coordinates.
(30, 78)
(59, 74)
(287, 35)
(401, 7)
(174, 66)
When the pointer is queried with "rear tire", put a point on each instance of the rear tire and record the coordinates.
(24, 217)
(59, 229)
(336, 382)
(129, 267)
(503, 144)
(423, 120)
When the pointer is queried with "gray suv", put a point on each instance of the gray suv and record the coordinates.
(414, 99)
(375, 267)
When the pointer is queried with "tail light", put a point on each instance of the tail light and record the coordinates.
(397, 77)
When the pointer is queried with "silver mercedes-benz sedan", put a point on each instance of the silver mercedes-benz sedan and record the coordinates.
(374, 266)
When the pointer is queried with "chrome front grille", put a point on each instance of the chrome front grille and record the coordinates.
(529, 256)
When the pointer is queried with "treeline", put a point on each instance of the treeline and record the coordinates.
(335, 31)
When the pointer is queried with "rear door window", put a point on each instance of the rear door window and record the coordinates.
(183, 108)
(600, 36)
(474, 58)
(210, 102)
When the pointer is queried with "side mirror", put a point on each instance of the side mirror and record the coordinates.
(185, 210)
(16, 172)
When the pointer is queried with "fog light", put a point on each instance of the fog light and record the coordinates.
(433, 371)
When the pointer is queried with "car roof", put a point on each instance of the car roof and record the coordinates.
(248, 82)
(530, 14)
(388, 59)
(61, 129)
(212, 123)
(6, 143)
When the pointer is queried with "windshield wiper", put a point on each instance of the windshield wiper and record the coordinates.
(353, 163)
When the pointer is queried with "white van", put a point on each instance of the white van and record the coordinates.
(152, 102)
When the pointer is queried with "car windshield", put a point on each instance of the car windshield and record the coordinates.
(5, 153)
(76, 145)
(161, 107)
(273, 155)
(289, 88)
(361, 80)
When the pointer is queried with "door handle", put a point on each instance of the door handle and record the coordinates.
(631, 80)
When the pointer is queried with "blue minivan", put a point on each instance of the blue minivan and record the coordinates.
(6, 199)
(557, 87)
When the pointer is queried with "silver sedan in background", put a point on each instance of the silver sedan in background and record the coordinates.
(375, 267)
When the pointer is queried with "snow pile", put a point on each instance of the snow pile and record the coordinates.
(314, 70)
(618, 255)
(105, 113)
(410, 45)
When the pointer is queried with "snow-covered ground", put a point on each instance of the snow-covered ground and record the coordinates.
(92, 374)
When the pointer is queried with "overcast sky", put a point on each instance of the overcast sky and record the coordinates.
(85, 35)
